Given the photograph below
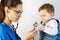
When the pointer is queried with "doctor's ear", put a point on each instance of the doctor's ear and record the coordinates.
(6, 9)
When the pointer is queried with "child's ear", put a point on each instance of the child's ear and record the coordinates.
(52, 14)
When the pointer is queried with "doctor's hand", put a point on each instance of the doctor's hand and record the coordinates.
(31, 34)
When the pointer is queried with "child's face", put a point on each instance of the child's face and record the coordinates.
(44, 15)
(15, 13)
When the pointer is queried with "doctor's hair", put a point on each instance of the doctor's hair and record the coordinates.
(7, 3)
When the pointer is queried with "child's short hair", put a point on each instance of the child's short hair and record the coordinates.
(48, 7)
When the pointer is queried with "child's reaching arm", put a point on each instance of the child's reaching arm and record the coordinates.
(50, 28)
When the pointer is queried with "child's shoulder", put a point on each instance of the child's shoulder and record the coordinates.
(53, 21)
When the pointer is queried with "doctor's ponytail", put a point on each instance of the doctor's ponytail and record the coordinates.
(2, 14)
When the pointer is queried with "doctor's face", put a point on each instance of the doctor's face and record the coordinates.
(15, 13)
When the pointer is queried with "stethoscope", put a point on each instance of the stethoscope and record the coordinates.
(36, 24)
(15, 28)
(12, 25)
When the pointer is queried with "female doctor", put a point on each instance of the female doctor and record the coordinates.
(10, 11)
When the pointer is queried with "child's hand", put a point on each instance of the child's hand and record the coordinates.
(31, 34)
(41, 27)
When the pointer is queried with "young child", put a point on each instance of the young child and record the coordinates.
(48, 26)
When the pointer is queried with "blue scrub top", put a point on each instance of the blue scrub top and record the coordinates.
(6, 33)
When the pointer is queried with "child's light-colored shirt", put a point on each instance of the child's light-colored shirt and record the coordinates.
(51, 27)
